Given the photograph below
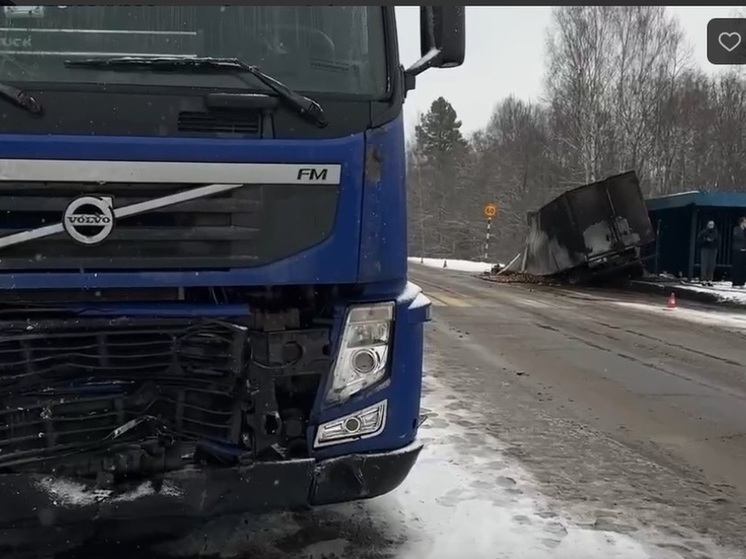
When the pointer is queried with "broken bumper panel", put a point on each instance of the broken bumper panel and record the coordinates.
(38, 501)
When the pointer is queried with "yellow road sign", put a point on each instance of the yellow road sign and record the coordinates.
(490, 210)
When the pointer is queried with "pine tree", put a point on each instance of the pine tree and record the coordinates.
(438, 194)
(439, 132)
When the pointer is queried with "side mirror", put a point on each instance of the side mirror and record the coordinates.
(442, 40)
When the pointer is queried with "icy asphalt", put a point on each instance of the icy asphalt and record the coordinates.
(561, 425)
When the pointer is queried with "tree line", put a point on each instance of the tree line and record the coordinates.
(619, 94)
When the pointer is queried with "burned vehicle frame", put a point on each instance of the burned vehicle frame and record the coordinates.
(591, 233)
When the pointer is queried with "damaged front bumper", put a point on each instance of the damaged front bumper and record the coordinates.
(42, 501)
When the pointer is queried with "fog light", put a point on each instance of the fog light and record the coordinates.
(359, 425)
(352, 425)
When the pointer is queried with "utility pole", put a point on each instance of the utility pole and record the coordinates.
(490, 211)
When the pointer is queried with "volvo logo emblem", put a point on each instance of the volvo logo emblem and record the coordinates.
(89, 219)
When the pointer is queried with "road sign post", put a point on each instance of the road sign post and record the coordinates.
(490, 211)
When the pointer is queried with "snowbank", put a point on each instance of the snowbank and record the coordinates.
(722, 290)
(720, 293)
(458, 265)
(730, 320)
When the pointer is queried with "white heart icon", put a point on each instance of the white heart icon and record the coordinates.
(733, 40)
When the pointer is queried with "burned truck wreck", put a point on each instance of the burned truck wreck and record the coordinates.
(591, 232)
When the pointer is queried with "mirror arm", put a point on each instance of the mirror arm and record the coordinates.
(432, 58)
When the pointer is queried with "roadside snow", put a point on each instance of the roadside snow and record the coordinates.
(722, 290)
(469, 495)
(466, 494)
(457, 265)
(736, 320)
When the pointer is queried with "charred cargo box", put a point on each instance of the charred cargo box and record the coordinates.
(593, 228)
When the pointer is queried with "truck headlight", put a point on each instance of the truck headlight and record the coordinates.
(362, 359)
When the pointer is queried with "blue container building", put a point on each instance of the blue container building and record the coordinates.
(678, 218)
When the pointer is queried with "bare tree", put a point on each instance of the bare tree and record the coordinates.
(649, 54)
(579, 76)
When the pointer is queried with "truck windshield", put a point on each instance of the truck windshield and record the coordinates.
(320, 49)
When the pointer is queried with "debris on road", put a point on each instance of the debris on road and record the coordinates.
(500, 268)
(519, 277)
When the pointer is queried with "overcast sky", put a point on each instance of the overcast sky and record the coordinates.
(505, 55)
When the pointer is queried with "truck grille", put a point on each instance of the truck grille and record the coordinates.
(218, 230)
(225, 123)
(66, 385)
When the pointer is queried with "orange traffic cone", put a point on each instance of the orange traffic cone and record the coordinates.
(671, 303)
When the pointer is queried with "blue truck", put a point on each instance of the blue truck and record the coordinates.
(203, 269)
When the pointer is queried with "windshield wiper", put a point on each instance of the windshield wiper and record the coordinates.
(20, 98)
(304, 106)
